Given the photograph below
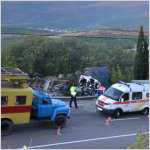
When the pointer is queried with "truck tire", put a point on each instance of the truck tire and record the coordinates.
(145, 111)
(6, 127)
(60, 120)
(117, 113)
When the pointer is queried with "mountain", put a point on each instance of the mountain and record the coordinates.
(74, 15)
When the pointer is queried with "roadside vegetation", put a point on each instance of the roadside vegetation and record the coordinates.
(142, 142)
(62, 55)
(54, 56)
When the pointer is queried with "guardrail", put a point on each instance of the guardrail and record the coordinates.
(66, 98)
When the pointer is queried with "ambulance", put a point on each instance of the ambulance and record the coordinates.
(124, 97)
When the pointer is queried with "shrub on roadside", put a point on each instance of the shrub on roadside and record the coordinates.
(142, 142)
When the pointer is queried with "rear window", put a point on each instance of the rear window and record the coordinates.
(4, 100)
(20, 100)
(136, 95)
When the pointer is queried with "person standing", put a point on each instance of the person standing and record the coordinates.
(102, 89)
(73, 93)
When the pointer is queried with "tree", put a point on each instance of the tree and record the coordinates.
(117, 74)
(46, 56)
(50, 56)
(141, 64)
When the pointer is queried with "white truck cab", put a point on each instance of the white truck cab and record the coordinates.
(124, 97)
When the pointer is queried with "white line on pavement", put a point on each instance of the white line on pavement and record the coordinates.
(87, 140)
(126, 119)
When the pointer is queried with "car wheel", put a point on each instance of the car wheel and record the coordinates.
(117, 113)
(6, 127)
(145, 111)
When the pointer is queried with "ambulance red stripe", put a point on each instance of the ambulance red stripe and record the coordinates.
(121, 103)
(15, 109)
(130, 102)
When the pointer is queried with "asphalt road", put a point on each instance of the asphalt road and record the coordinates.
(85, 129)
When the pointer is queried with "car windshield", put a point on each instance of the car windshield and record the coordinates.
(113, 93)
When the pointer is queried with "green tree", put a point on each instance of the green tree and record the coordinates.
(53, 56)
(141, 65)
(47, 56)
(117, 74)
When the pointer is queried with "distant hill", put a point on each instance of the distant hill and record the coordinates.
(71, 15)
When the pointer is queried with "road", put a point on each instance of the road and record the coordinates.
(85, 129)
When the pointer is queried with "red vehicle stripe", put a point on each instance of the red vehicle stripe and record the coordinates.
(129, 102)
(121, 103)
(15, 109)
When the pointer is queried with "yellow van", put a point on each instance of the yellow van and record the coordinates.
(16, 99)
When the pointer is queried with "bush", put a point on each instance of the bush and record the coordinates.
(118, 74)
(142, 142)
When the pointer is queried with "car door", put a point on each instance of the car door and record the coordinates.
(125, 102)
(45, 108)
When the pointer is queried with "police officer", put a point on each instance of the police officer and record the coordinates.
(73, 92)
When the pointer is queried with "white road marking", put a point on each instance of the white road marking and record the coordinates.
(87, 140)
(126, 119)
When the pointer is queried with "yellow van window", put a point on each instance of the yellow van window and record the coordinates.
(20, 100)
(4, 100)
